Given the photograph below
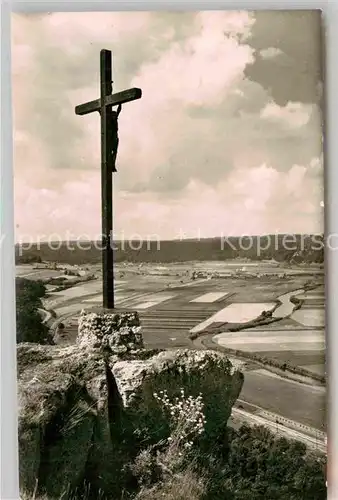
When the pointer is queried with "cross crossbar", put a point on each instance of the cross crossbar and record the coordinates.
(110, 100)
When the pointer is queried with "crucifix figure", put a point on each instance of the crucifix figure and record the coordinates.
(115, 135)
(109, 147)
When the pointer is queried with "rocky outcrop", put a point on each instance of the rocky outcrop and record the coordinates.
(119, 333)
(85, 411)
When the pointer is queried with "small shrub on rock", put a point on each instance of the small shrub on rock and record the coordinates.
(186, 417)
(161, 467)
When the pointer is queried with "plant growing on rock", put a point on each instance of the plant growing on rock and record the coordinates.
(161, 468)
(187, 423)
(186, 418)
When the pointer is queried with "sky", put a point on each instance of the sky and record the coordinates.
(226, 139)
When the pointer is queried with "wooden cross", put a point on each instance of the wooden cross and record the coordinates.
(109, 144)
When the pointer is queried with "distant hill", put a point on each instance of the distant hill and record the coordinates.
(282, 248)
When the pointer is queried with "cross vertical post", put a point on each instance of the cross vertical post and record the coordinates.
(106, 182)
(109, 146)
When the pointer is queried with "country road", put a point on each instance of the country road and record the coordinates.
(46, 316)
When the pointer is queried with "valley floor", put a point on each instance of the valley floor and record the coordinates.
(171, 305)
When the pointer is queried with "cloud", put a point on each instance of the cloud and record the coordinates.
(297, 73)
(200, 71)
(293, 115)
(253, 201)
(270, 53)
(209, 147)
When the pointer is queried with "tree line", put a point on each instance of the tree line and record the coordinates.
(282, 248)
(29, 323)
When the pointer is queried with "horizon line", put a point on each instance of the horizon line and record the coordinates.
(181, 239)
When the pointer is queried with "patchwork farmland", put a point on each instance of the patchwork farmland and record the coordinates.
(172, 305)
(299, 339)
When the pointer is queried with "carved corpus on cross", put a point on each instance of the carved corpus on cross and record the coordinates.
(109, 145)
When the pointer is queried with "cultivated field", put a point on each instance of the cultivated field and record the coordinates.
(175, 300)
(298, 340)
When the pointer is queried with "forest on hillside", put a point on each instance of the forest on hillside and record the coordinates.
(282, 248)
